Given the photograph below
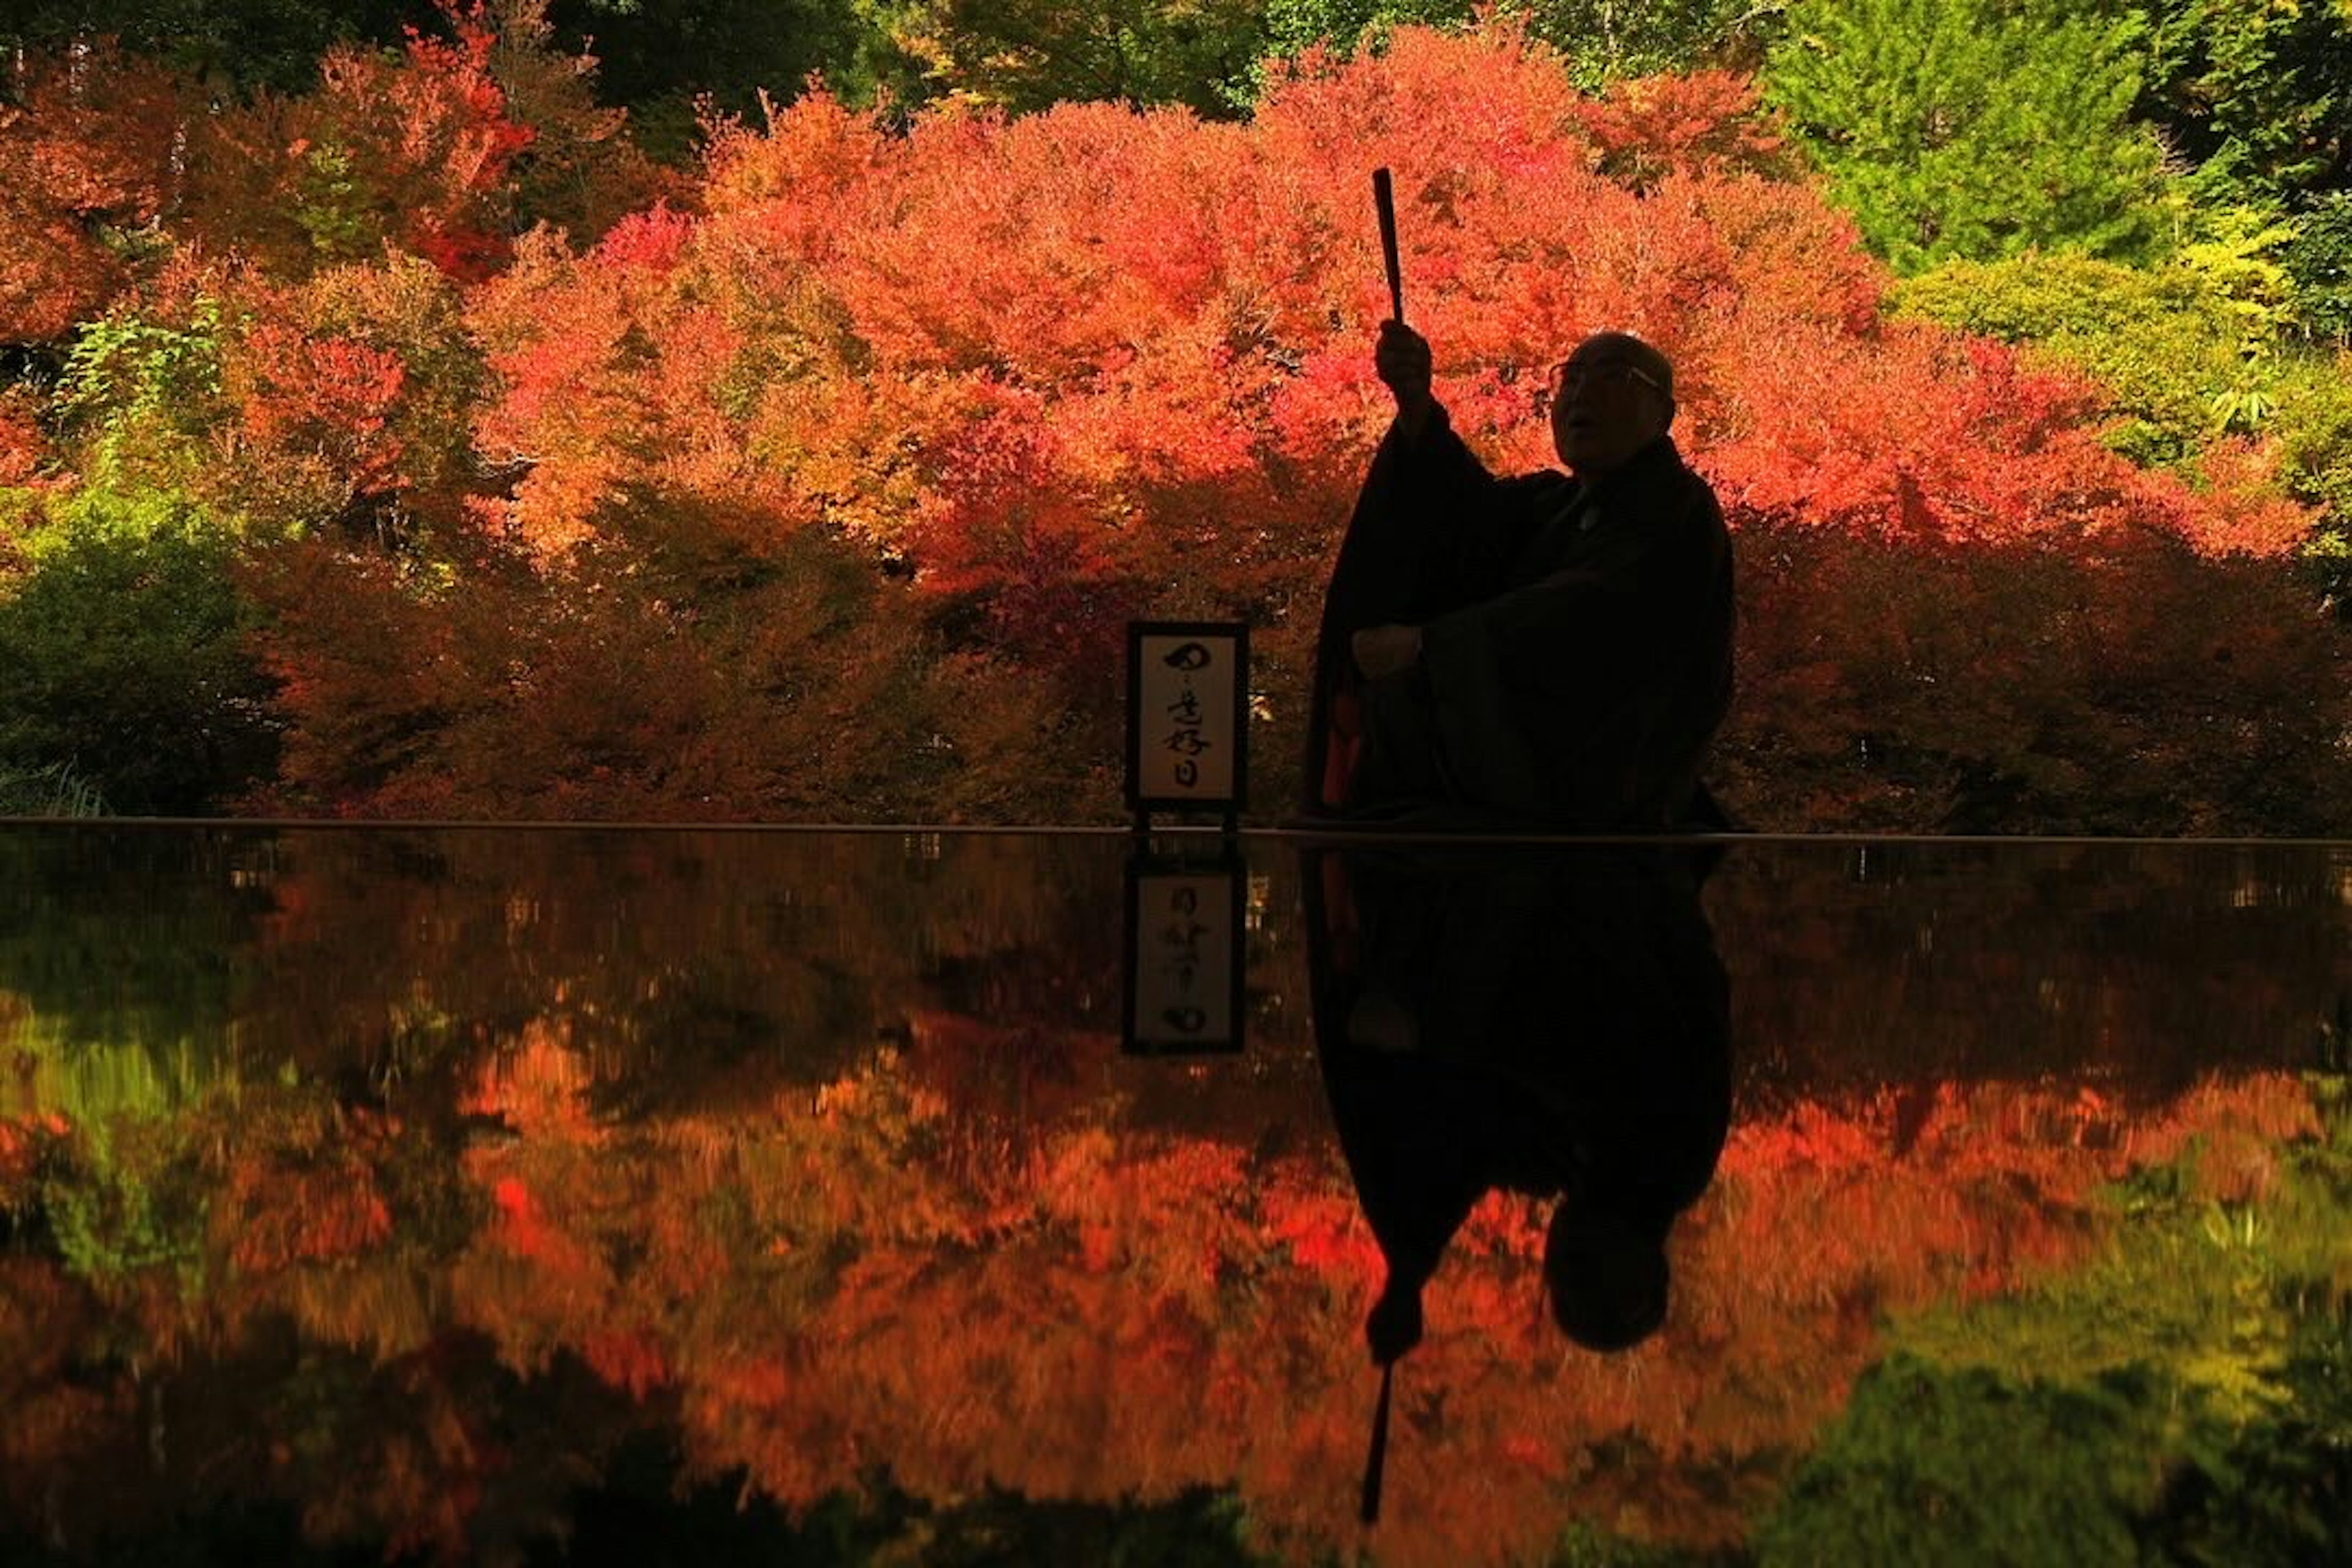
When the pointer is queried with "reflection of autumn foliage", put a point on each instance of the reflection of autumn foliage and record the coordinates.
(821, 1282)
(816, 1150)
(283, 1214)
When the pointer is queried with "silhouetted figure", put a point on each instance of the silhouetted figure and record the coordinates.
(1550, 1023)
(1550, 647)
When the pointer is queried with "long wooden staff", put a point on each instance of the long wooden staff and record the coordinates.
(1384, 201)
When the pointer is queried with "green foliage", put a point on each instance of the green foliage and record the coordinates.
(236, 45)
(2264, 89)
(2205, 345)
(116, 950)
(2236, 254)
(142, 391)
(1600, 41)
(2319, 259)
(331, 205)
(1028, 55)
(1293, 26)
(1929, 1466)
(1607, 40)
(2181, 1399)
(662, 59)
(53, 790)
(2181, 358)
(122, 656)
(1972, 128)
(1975, 1463)
(2314, 427)
(2280, 1489)
(128, 1199)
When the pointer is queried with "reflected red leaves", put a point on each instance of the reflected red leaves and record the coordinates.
(1082, 1308)
(281, 1215)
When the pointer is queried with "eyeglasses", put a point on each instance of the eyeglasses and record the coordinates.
(1569, 376)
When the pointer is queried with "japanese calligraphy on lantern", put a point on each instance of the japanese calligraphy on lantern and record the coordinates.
(1184, 957)
(1187, 715)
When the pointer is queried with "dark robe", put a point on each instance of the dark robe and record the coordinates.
(1576, 653)
(1547, 1023)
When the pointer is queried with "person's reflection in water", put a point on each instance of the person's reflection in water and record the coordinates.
(1547, 1023)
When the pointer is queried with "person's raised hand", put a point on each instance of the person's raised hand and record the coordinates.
(1402, 359)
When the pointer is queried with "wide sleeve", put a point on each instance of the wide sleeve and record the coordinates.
(1431, 530)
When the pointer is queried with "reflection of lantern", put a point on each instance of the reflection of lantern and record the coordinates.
(1187, 716)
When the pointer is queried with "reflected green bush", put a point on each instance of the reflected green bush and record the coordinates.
(1932, 1466)
(119, 946)
(2186, 1399)
(131, 1196)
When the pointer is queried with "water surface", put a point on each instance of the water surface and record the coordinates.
(511, 1194)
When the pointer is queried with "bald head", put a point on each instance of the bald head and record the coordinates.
(1610, 398)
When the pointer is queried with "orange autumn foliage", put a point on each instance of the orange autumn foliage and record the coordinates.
(23, 445)
(329, 396)
(288, 1215)
(1088, 364)
(1034, 376)
(413, 150)
(86, 156)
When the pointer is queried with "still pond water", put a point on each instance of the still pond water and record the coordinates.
(520, 1195)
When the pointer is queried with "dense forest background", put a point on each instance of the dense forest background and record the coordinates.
(713, 409)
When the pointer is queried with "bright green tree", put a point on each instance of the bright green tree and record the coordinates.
(1973, 127)
(122, 656)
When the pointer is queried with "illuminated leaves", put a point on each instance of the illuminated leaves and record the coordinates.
(415, 149)
(330, 397)
(85, 164)
(871, 427)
